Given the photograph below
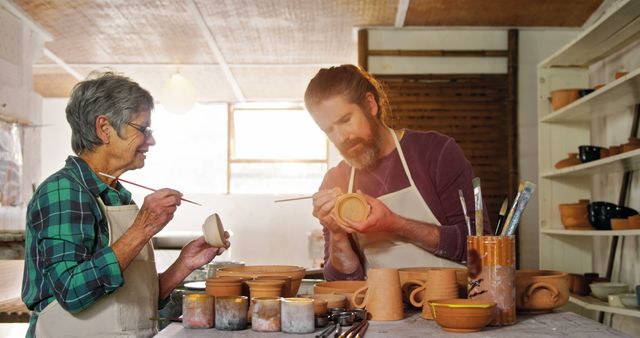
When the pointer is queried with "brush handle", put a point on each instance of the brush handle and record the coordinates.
(499, 225)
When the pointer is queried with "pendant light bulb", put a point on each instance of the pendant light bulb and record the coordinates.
(178, 94)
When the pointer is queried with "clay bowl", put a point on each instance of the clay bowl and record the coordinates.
(619, 224)
(462, 315)
(578, 284)
(540, 291)
(603, 289)
(342, 287)
(562, 97)
(571, 160)
(589, 153)
(634, 222)
(253, 271)
(351, 206)
(333, 300)
(224, 286)
(615, 150)
(624, 212)
(604, 152)
(573, 215)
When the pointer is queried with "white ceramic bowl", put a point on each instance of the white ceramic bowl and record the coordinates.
(629, 300)
(213, 231)
(604, 289)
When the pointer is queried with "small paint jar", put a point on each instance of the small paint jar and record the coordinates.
(297, 315)
(322, 320)
(265, 316)
(231, 312)
(197, 311)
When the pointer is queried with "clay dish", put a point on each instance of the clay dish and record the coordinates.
(603, 289)
(351, 206)
(619, 224)
(333, 301)
(571, 160)
(462, 315)
(615, 150)
(574, 215)
(539, 291)
(214, 232)
(634, 222)
(252, 271)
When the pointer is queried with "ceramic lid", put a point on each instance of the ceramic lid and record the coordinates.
(352, 206)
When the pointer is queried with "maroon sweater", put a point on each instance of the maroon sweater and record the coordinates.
(439, 169)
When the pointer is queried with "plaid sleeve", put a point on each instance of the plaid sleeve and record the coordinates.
(76, 264)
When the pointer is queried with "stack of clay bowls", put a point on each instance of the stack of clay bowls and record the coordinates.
(224, 286)
(260, 271)
(345, 288)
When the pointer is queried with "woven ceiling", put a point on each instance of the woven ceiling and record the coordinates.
(273, 47)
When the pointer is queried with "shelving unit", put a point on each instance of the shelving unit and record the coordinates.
(562, 131)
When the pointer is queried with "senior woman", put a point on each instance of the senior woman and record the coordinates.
(89, 266)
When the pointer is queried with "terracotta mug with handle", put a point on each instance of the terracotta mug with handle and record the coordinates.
(382, 295)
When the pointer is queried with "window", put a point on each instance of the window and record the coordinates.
(275, 150)
(244, 150)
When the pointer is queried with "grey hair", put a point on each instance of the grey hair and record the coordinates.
(115, 96)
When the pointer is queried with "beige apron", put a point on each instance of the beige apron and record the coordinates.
(126, 312)
(386, 250)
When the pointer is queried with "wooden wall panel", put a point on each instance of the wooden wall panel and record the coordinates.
(471, 108)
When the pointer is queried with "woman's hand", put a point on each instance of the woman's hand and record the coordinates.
(157, 210)
(198, 253)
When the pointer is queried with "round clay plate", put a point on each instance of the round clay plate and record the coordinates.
(352, 206)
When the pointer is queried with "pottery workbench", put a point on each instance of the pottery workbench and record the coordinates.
(557, 324)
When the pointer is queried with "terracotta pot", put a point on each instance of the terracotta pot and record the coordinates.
(615, 150)
(286, 287)
(220, 286)
(619, 224)
(574, 215)
(462, 315)
(383, 298)
(634, 222)
(539, 291)
(630, 147)
(604, 152)
(252, 271)
(320, 306)
(562, 97)
(578, 284)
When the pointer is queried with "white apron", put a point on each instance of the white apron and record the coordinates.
(125, 313)
(385, 250)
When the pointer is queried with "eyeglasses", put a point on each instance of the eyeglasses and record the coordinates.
(146, 131)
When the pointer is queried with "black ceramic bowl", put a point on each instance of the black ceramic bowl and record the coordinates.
(601, 213)
(589, 153)
(624, 212)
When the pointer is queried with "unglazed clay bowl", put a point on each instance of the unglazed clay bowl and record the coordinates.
(462, 315)
(574, 215)
(253, 271)
(562, 97)
(571, 160)
(619, 224)
(604, 289)
(333, 300)
(539, 291)
(351, 206)
(214, 232)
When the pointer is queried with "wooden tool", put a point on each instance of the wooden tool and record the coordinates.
(142, 186)
(293, 199)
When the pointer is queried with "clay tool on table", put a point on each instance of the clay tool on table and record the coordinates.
(477, 197)
(362, 330)
(501, 215)
(141, 186)
(351, 332)
(327, 331)
(527, 192)
(293, 199)
(464, 210)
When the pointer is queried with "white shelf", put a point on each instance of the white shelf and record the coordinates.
(565, 232)
(619, 26)
(611, 98)
(629, 160)
(591, 303)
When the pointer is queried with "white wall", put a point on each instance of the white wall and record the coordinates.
(534, 46)
(19, 48)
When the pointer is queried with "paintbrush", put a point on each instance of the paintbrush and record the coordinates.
(501, 215)
(362, 330)
(464, 210)
(293, 199)
(477, 197)
(141, 186)
(527, 192)
(513, 208)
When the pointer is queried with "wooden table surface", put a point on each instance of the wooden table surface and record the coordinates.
(557, 324)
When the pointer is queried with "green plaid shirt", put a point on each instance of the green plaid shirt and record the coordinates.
(68, 257)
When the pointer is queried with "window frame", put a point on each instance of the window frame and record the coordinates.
(231, 109)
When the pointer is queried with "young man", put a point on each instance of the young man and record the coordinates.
(409, 178)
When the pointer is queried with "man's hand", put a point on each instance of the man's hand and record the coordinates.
(157, 210)
(380, 219)
(324, 202)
